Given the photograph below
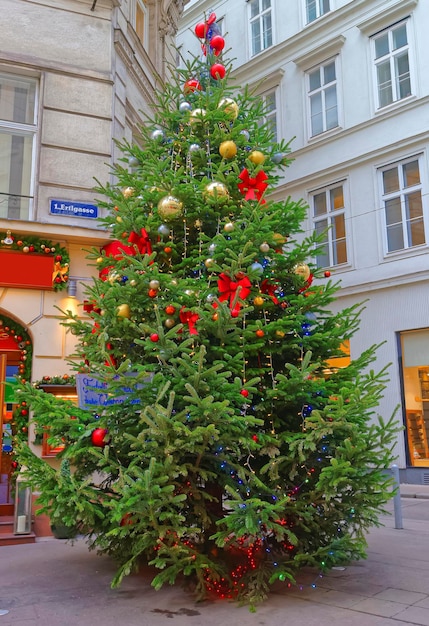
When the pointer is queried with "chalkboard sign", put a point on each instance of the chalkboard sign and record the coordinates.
(93, 392)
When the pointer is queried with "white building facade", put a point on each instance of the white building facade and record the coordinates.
(348, 80)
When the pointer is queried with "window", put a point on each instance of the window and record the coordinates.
(270, 111)
(316, 8)
(392, 64)
(261, 30)
(402, 201)
(141, 21)
(328, 212)
(322, 94)
(414, 347)
(17, 135)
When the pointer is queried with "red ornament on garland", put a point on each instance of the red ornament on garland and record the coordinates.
(244, 393)
(98, 437)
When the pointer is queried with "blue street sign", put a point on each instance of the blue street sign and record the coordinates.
(72, 209)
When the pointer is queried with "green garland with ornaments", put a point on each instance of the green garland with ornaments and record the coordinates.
(36, 245)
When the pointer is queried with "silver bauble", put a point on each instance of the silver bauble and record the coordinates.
(164, 230)
(157, 135)
(184, 107)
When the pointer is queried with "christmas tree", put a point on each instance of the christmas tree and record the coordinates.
(223, 448)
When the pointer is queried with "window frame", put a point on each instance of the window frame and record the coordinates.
(26, 130)
(260, 16)
(331, 213)
(320, 12)
(322, 90)
(143, 37)
(403, 191)
(391, 57)
(273, 113)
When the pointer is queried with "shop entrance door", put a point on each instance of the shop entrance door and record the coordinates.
(6, 430)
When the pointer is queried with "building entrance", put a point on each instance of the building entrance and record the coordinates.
(13, 348)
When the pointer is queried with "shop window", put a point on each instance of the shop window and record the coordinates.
(17, 140)
(52, 447)
(403, 199)
(341, 361)
(329, 221)
(261, 25)
(415, 377)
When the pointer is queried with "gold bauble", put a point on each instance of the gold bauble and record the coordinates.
(230, 107)
(99, 260)
(128, 192)
(256, 157)
(112, 277)
(229, 227)
(119, 219)
(133, 282)
(228, 149)
(26, 249)
(197, 116)
(264, 247)
(170, 322)
(258, 301)
(154, 284)
(208, 263)
(279, 239)
(123, 310)
(216, 192)
(170, 208)
(280, 333)
(303, 270)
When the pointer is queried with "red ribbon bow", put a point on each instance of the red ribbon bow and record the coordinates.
(253, 188)
(230, 289)
(189, 318)
(269, 289)
(142, 241)
(307, 284)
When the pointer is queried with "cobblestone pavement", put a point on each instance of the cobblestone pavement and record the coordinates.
(54, 583)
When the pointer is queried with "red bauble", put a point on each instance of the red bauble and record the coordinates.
(327, 274)
(58, 257)
(235, 312)
(31, 248)
(152, 293)
(58, 279)
(170, 310)
(154, 337)
(97, 437)
(24, 412)
(191, 85)
(255, 437)
(201, 30)
(168, 250)
(47, 251)
(244, 393)
(217, 43)
(259, 332)
(218, 71)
